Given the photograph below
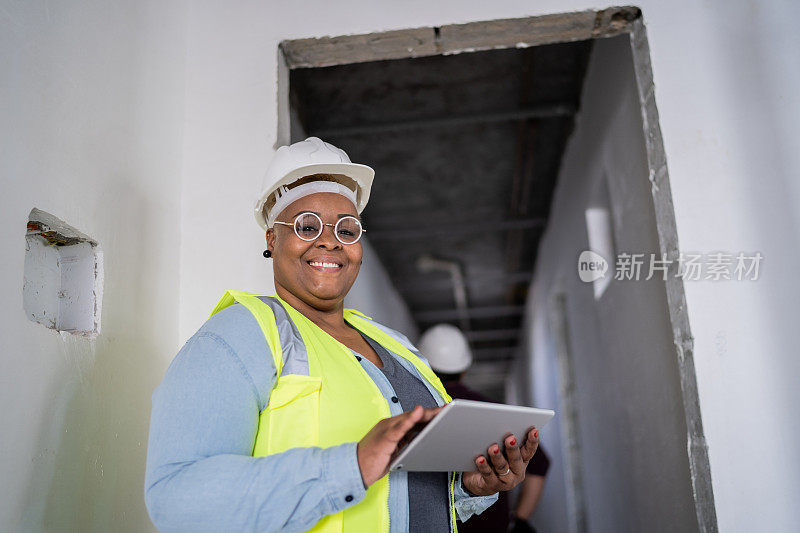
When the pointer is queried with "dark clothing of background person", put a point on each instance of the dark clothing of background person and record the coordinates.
(496, 518)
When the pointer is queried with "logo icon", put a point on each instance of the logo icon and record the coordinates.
(591, 266)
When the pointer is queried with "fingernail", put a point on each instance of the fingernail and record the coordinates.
(536, 433)
(496, 450)
(512, 442)
(481, 460)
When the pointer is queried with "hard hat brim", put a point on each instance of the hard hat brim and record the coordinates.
(361, 174)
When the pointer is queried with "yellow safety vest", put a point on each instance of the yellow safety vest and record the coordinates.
(332, 400)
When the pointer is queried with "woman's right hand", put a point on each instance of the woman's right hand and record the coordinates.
(380, 445)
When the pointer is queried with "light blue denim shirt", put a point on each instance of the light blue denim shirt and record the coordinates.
(200, 473)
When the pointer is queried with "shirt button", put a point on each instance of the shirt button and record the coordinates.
(348, 498)
(394, 399)
(359, 358)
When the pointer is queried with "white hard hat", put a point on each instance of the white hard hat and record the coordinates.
(312, 156)
(446, 349)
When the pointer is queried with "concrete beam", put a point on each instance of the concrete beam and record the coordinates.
(424, 285)
(448, 229)
(492, 335)
(492, 311)
(541, 111)
(494, 354)
(458, 38)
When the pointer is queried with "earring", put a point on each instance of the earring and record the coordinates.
(267, 254)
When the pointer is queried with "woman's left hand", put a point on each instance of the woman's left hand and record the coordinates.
(502, 472)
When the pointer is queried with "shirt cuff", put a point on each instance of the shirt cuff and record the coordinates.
(342, 476)
(468, 505)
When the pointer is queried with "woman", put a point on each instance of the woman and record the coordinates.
(283, 413)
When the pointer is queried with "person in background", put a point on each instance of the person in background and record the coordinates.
(448, 353)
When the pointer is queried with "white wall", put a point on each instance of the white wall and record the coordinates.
(731, 125)
(96, 100)
(91, 95)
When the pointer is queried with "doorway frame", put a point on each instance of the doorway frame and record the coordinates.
(522, 33)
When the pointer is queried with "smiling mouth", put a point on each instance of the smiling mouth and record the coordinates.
(324, 266)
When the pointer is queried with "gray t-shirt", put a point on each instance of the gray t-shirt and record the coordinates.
(427, 491)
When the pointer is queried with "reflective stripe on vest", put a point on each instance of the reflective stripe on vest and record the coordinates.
(324, 397)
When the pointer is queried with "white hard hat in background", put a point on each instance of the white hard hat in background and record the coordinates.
(312, 156)
(446, 349)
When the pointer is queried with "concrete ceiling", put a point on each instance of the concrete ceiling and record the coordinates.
(466, 149)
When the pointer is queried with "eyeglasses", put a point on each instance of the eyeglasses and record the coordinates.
(308, 226)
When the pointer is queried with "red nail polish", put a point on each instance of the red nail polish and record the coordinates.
(496, 450)
(481, 460)
(513, 442)
(536, 433)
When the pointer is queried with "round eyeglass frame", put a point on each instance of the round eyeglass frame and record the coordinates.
(322, 225)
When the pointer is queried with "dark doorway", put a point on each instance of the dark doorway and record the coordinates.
(466, 149)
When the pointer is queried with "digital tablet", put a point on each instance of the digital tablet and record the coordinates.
(462, 431)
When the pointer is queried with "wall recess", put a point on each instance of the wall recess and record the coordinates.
(63, 283)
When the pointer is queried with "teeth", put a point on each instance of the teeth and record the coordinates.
(321, 264)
